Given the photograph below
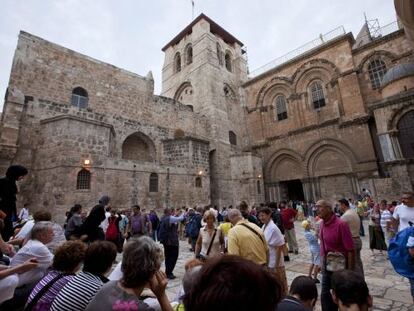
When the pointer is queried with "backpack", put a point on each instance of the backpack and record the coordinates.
(163, 228)
(193, 227)
(398, 253)
(112, 231)
(136, 224)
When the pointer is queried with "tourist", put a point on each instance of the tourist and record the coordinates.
(74, 223)
(112, 233)
(189, 279)
(66, 262)
(404, 213)
(137, 223)
(288, 217)
(168, 236)
(225, 227)
(376, 236)
(276, 242)
(155, 221)
(350, 292)
(79, 291)
(385, 221)
(122, 227)
(8, 191)
(92, 224)
(303, 295)
(244, 209)
(246, 239)
(23, 214)
(210, 240)
(104, 224)
(240, 285)
(337, 250)
(361, 214)
(351, 217)
(9, 278)
(141, 262)
(193, 227)
(41, 234)
(315, 251)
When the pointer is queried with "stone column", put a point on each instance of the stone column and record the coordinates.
(307, 189)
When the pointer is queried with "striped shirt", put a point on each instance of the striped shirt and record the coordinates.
(77, 294)
(386, 216)
(44, 303)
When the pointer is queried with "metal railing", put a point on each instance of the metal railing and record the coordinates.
(322, 39)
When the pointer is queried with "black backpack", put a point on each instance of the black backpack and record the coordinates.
(277, 219)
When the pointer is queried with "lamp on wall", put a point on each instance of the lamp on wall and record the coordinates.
(86, 162)
(200, 173)
(259, 176)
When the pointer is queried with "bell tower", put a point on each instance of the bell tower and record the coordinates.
(204, 68)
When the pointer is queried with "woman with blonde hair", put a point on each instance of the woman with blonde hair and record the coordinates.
(210, 241)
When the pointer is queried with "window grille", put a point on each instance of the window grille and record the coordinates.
(376, 70)
(83, 182)
(281, 111)
(153, 182)
(79, 98)
(406, 134)
(259, 190)
(318, 98)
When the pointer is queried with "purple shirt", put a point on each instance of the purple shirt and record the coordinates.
(335, 237)
(46, 300)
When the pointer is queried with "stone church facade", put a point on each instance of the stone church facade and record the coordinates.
(323, 124)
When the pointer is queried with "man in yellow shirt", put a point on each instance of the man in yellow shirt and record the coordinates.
(246, 239)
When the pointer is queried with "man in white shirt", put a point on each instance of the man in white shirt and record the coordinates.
(404, 213)
(42, 233)
(275, 241)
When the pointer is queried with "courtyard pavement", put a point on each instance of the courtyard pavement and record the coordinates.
(389, 290)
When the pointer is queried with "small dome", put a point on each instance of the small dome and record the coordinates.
(397, 72)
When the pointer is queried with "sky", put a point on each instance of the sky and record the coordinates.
(130, 33)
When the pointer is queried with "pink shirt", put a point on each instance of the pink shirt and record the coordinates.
(335, 236)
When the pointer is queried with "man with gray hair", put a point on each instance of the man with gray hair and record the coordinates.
(246, 239)
(35, 248)
(337, 250)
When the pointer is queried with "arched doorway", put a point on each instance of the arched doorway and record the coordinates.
(406, 134)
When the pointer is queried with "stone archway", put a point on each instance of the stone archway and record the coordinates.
(138, 147)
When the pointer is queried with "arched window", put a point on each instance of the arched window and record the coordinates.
(177, 62)
(318, 98)
(79, 97)
(219, 54)
(189, 54)
(83, 180)
(198, 182)
(281, 111)
(376, 70)
(232, 138)
(406, 134)
(153, 182)
(259, 189)
(227, 59)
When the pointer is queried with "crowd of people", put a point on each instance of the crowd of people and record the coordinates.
(238, 263)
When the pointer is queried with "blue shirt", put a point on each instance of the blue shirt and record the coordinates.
(313, 242)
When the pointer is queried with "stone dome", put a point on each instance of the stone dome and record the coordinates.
(397, 72)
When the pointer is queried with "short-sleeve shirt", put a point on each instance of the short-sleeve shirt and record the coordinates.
(112, 297)
(288, 217)
(404, 214)
(353, 221)
(312, 241)
(335, 236)
(274, 239)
